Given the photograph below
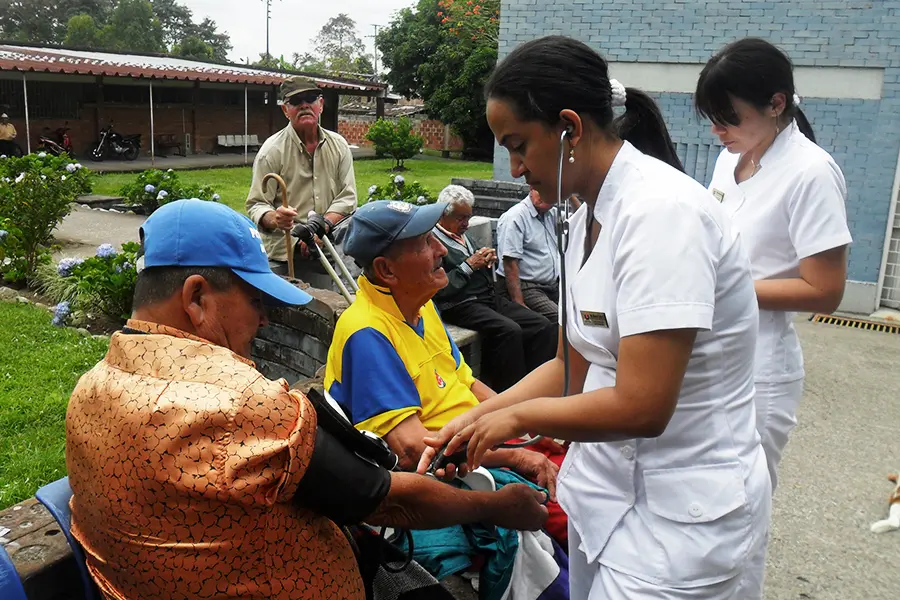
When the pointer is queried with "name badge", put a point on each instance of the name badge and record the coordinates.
(594, 319)
(719, 194)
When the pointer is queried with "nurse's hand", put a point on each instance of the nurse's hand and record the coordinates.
(488, 432)
(437, 440)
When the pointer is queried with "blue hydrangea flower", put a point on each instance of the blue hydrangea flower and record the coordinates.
(67, 265)
(2, 156)
(162, 195)
(373, 189)
(216, 197)
(399, 180)
(149, 188)
(42, 155)
(420, 200)
(106, 251)
(127, 266)
(71, 168)
(3, 234)
(60, 313)
(78, 166)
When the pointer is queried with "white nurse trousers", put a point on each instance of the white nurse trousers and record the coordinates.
(594, 581)
(776, 417)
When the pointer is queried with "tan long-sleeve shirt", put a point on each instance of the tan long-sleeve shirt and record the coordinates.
(7, 132)
(323, 182)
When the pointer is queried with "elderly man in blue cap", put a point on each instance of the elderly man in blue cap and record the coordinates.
(392, 366)
(195, 476)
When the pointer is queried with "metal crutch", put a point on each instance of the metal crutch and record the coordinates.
(303, 234)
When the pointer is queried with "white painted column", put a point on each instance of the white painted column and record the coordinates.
(27, 119)
(152, 129)
(245, 123)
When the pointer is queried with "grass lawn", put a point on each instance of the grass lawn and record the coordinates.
(233, 183)
(39, 366)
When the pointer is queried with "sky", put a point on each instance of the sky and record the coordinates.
(294, 22)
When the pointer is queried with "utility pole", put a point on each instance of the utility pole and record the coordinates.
(268, 18)
(375, 49)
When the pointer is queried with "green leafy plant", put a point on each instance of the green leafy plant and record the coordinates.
(397, 189)
(154, 188)
(395, 139)
(99, 286)
(36, 193)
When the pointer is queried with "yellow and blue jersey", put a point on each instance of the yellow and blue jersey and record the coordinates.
(381, 370)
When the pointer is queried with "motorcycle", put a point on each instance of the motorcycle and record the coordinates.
(62, 143)
(114, 145)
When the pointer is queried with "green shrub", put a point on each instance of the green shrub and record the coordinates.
(397, 189)
(36, 193)
(154, 188)
(395, 139)
(99, 286)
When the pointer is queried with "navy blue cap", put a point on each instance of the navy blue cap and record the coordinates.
(197, 233)
(376, 225)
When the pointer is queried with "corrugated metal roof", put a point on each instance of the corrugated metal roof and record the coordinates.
(81, 62)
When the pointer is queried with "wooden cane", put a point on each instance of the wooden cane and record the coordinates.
(287, 233)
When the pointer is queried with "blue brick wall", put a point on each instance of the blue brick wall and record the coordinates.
(862, 135)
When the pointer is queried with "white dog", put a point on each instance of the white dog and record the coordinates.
(892, 523)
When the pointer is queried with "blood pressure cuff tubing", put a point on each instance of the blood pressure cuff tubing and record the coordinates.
(340, 485)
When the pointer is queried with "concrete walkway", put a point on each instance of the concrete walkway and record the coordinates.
(194, 161)
(84, 229)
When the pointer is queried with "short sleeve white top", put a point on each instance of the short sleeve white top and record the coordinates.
(792, 208)
(682, 508)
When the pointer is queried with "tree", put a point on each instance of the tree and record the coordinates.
(82, 32)
(337, 49)
(219, 43)
(134, 28)
(193, 47)
(177, 21)
(443, 52)
(46, 21)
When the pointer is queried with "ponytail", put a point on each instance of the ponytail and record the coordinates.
(643, 126)
(803, 125)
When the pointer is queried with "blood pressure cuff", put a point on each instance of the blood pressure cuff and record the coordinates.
(340, 485)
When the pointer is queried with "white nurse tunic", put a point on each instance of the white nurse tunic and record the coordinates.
(792, 208)
(684, 515)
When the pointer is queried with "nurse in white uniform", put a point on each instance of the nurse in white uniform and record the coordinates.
(665, 485)
(786, 196)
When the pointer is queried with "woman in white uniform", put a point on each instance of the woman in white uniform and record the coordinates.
(665, 485)
(786, 196)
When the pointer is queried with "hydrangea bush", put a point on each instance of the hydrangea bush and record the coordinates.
(36, 193)
(86, 288)
(154, 188)
(397, 189)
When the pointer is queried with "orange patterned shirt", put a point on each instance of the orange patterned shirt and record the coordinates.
(184, 460)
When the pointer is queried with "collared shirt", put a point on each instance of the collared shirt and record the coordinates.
(323, 182)
(381, 370)
(667, 257)
(793, 208)
(7, 132)
(525, 234)
(184, 460)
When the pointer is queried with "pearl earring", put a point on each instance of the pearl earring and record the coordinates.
(571, 156)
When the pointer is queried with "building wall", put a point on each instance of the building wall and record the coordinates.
(842, 40)
(355, 127)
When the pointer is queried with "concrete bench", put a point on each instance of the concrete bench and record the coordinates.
(237, 141)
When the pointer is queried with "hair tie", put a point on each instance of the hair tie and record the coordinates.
(618, 93)
(796, 100)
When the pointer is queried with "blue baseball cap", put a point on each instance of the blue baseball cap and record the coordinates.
(376, 225)
(197, 233)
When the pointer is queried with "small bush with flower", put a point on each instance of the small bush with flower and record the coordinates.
(87, 288)
(397, 189)
(154, 188)
(36, 193)
(395, 139)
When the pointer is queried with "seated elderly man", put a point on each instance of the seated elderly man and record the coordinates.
(392, 366)
(528, 270)
(516, 339)
(193, 475)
